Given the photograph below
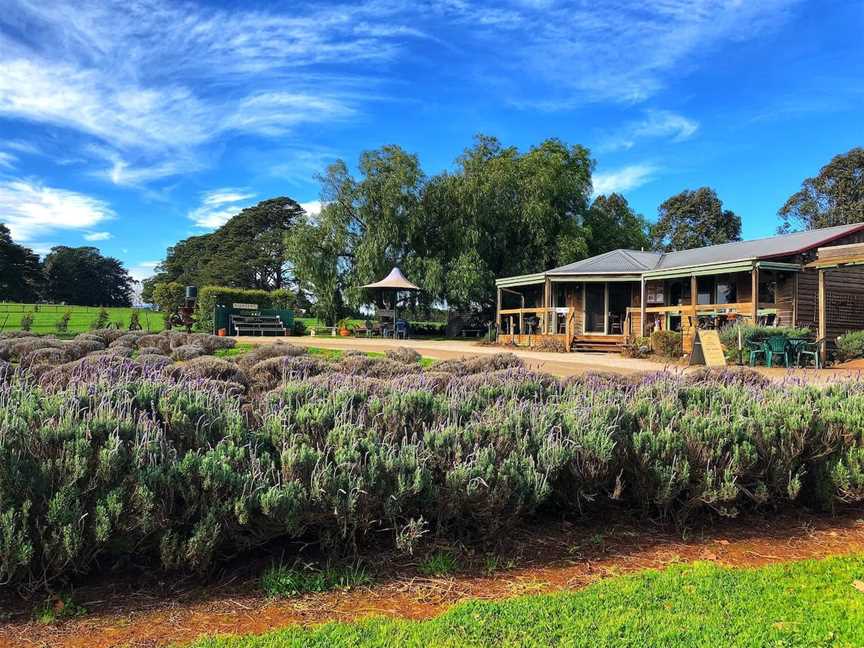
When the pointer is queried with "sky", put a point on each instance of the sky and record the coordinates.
(131, 125)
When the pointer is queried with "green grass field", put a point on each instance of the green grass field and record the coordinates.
(46, 316)
(807, 603)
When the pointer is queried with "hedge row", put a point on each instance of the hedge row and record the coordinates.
(158, 469)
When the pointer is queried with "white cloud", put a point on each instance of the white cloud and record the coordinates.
(218, 206)
(156, 81)
(30, 209)
(98, 236)
(142, 270)
(623, 179)
(313, 207)
(656, 124)
(7, 160)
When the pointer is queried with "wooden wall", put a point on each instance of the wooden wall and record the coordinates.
(844, 306)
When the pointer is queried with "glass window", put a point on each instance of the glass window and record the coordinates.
(767, 288)
(679, 292)
(704, 290)
(726, 292)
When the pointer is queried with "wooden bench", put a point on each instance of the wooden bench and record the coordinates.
(258, 325)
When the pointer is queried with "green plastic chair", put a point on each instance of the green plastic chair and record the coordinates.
(756, 348)
(809, 349)
(776, 345)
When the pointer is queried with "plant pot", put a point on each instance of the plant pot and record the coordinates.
(344, 332)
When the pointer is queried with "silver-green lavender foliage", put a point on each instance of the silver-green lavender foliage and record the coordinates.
(110, 460)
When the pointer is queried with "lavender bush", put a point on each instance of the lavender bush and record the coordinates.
(108, 460)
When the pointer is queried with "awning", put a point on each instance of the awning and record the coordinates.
(395, 280)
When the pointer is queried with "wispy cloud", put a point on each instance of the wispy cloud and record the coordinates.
(98, 236)
(655, 124)
(31, 210)
(152, 82)
(622, 51)
(623, 179)
(218, 206)
(7, 160)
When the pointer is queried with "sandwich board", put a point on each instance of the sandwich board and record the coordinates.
(707, 349)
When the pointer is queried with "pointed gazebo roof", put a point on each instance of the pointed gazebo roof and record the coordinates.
(395, 280)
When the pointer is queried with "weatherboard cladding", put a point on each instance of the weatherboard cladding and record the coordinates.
(637, 262)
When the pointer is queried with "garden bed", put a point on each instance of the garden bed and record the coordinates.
(147, 610)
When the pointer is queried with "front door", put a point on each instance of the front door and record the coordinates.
(595, 307)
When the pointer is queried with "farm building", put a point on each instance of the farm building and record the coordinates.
(813, 279)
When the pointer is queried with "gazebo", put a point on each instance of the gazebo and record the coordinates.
(393, 283)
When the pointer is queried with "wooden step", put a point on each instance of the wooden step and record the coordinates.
(597, 343)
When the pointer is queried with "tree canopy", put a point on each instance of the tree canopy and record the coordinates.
(694, 219)
(499, 212)
(20, 270)
(834, 197)
(613, 225)
(246, 252)
(82, 276)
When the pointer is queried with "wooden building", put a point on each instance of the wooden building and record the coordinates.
(813, 279)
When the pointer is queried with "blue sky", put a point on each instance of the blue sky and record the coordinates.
(131, 125)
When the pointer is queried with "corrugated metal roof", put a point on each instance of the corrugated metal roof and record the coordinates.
(773, 246)
(636, 261)
(616, 261)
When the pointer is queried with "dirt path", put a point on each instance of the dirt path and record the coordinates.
(564, 557)
(557, 364)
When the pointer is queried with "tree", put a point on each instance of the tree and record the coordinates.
(246, 252)
(694, 219)
(20, 270)
(82, 276)
(362, 231)
(834, 197)
(614, 225)
(501, 212)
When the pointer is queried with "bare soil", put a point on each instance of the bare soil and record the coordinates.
(560, 556)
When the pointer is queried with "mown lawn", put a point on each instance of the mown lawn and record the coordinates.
(807, 603)
(46, 316)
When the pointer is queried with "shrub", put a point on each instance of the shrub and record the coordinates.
(668, 344)
(125, 340)
(160, 341)
(403, 354)
(107, 461)
(153, 361)
(277, 350)
(210, 296)
(273, 371)
(100, 322)
(850, 346)
(135, 320)
(748, 332)
(638, 347)
(62, 324)
(26, 321)
(187, 352)
(299, 328)
(213, 369)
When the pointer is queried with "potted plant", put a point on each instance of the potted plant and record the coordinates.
(344, 331)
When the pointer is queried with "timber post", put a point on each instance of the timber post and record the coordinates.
(754, 279)
(642, 307)
(822, 323)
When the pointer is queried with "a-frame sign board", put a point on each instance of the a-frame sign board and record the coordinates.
(707, 349)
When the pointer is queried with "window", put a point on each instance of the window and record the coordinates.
(704, 290)
(560, 296)
(767, 288)
(726, 292)
(679, 292)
